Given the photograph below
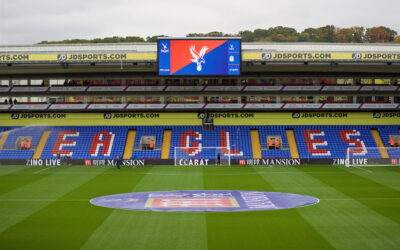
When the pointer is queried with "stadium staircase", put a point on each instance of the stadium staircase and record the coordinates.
(379, 143)
(166, 145)
(41, 144)
(3, 138)
(255, 142)
(130, 140)
(292, 144)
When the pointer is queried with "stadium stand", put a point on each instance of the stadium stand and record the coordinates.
(267, 87)
(108, 142)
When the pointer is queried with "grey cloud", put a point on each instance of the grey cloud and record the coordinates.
(28, 22)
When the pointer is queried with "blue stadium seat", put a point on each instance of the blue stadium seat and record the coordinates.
(332, 141)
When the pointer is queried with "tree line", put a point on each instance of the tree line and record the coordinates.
(326, 34)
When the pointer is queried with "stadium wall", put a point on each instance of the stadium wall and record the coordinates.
(192, 119)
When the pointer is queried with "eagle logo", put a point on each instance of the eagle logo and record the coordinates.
(198, 58)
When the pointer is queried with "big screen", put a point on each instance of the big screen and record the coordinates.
(187, 57)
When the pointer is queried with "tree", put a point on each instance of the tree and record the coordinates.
(328, 33)
(311, 33)
(358, 35)
(380, 34)
(260, 34)
(153, 39)
(304, 37)
(247, 36)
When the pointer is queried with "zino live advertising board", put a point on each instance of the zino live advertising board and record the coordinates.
(194, 119)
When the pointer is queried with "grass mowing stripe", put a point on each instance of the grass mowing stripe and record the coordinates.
(274, 229)
(18, 179)
(67, 225)
(132, 229)
(345, 222)
(380, 175)
(356, 186)
(393, 168)
(8, 169)
(46, 189)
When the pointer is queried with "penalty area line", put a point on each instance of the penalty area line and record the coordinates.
(42, 170)
(369, 171)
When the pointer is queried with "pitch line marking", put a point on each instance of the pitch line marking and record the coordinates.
(369, 171)
(87, 200)
(357, 199)
(42, 170)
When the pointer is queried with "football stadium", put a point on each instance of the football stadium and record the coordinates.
(200, 143)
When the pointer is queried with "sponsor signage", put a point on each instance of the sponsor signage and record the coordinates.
(30, 106)
(264, 105)
(379, 88)
(302, 106)
(67, 89)
(341, 88)
(271, 161)
(144, 106)
(38, 115)
(145, 88)
(386, 114)
(324, 56)
(131, 115)
(4, 106)
(240, 162)
(204, 201)
(43, 162)
(195, 162)
(308, 115)
(106, 106)
(80, 57)
(103, 162)
(224, 106)
(336, 106)
(106, 89)
(224, 88)
(29, 89)
(263, 88)
(302, 88)
(4, 89)
(165, 50)
(69, 106)
(199, 57)
(185, 106)
(379, 106)
(184, 88)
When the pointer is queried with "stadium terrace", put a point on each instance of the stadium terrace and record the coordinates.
(203, 143)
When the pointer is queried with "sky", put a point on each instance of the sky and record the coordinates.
(24, 22)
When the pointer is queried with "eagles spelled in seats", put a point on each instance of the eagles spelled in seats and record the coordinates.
(62, 141)
(313, 143)
(358, 146)
(103, 139)
(107, 142)
(192, 143)
(85, 142)
(334, 141)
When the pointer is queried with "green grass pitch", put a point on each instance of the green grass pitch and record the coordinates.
(48, 208)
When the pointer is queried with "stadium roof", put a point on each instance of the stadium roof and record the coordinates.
(152, 47)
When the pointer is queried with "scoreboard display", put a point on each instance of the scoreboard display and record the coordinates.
(199, 57)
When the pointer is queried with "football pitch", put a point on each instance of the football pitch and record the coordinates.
(49, 208)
